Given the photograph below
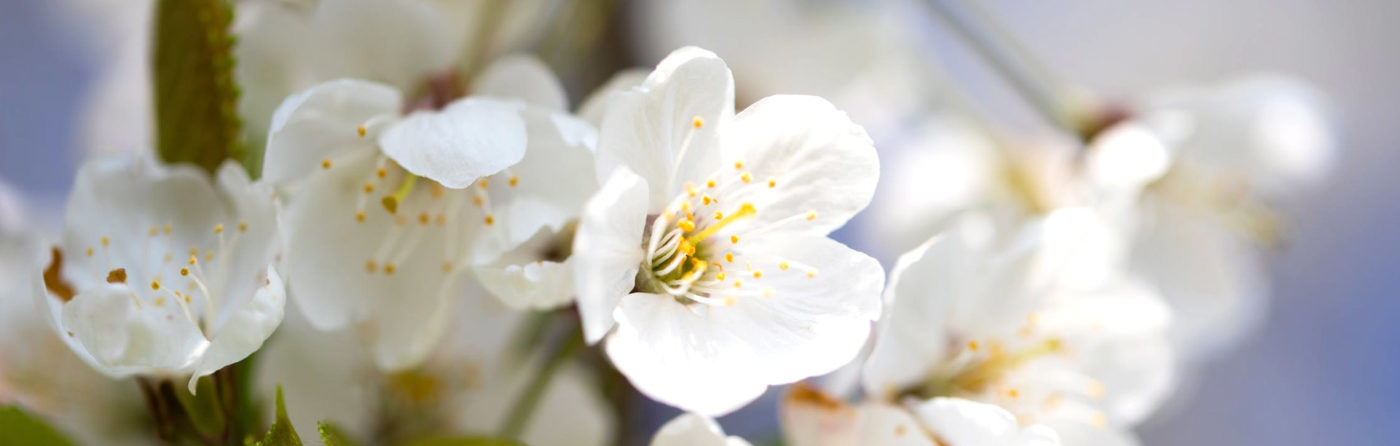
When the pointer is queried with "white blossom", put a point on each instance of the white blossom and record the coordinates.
(706, 246)
(810, 418)
(163, 271)
(694, 430)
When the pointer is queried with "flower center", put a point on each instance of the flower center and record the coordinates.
(159, 272)
(417, 207)
(694, 249)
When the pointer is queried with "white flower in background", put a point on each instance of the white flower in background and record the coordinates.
(1238, 151)
(465, 387)
(37, 370)
(1024, 323)
(693, 430)
(386, 211)
(810, 418)
(707, 247)
(163, 271)
(289, 46)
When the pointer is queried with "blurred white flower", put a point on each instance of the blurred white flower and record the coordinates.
(384, 212)
(693, 430)
(37, 370)
(810, 418)
(163, 271)
(1238, 150)
(463, 387)
(707, 246)
(1013, 321)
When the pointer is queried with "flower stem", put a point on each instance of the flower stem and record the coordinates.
(1031, 80)
(525, 406)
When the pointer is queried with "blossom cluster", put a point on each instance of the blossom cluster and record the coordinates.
(435, 242)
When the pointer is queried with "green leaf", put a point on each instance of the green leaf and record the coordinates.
(20, 428)
(281, 433)
(463, 441)
(195, 97)
(332, 435)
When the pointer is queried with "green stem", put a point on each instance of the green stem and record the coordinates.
(524, 407)
(194, 93)
(1031, 80)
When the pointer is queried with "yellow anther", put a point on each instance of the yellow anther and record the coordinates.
(686, 248)
(1013, 393)
(719, 276)
(746, 177)
(706, 200)
(105, 241)
(438, 190)
(325, 163)
(381, 172)
(166, 229)
(155, 285)
(686, 225)
(738, 165)
(690, 190)
(446, 267)
(154, 230)
(219, 228)
(729, 257)
(972, 345)
(442, 219)
(193, 259)
(729, 301)
(710, 183)
(783, 266)
(514, 181)
(697, 122)
(370, 266)
(184, 271)
(361, 130)
(391, 203)
(757, 274)
(745, 210)
(160, 301)
(389, 268)
(360, 216)
(772, 184)
(89, 252)
(733, 239)
(812, 273)
(478, 200)
(484, 183)
(242, 226)
(490, 220)
(208, 255)
(811, 215)
(423, 218)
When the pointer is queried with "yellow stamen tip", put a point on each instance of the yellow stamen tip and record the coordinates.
(361, 131)
(746, 177)
(710, 183)
(391, 204)
(360, 216)
(697, 122)
(719, 275)
(381, 172)
(757, 274)
(729, 301)
(326, 163)
(686, 225)
(155, 285)
(729, 257)
(490, 220)
(219, 228)
(389, 268)
(184, 271)
(514, 181)
(446, 267)
(242, 226)
(370, 266)
(423, 218)
(733, 239)
(783, 266)
(811, 215)
(738, 165)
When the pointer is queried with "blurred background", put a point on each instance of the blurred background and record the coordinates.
(1322, 367)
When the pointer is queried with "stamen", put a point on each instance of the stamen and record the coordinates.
(391, 202)
(745, 210)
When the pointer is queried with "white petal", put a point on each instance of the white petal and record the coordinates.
(246, 263)
(962, 422)
(691, 359)
(556, 168)
(693, 430)
(910, 336)
(607, 249)
(470, 138)
(127, 339)
(245, 329)
(323, 123)
(714, 359)
(596, 104)
(522, 279)
(818, 159)
(813, 419)
(522, 77)
(646, 129)
(327, 273)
